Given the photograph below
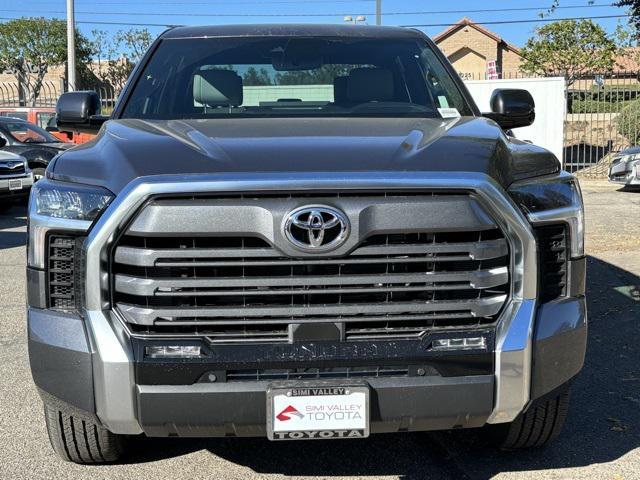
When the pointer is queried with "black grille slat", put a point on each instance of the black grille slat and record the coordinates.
(552, 258)
(233, 289)
(316, 373)
(61, 272)
(9, 172)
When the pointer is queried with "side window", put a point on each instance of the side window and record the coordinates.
(43, 118)
(445, 92)
(20, 115)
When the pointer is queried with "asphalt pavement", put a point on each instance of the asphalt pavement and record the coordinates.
(601, 439)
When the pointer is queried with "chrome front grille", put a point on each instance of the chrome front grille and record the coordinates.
(243, 288)
(12, 168)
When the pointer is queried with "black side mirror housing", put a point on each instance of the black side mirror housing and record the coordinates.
(512, 108)
(79, 112)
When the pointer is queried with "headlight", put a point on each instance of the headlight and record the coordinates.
(552, 200)
(61, 207)
(629, 159)
(69, 201)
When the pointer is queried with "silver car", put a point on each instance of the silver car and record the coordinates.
(625, 168)
(15, 176)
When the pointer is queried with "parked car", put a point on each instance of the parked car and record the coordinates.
(44, 117)
(353, 249)
(32, 142)
(77, 138)
(15, 177)
(40, 116)
(625, 168)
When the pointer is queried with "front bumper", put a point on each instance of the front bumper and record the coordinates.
(238, 409)
(621, 175)
(26, 180)
(65, 365)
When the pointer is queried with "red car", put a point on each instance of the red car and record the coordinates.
(44, 117)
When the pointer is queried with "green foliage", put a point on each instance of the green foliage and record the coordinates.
(595, 106)
(254, 77)
(320, 76)
(603, 99)
(30, 46)
(628, 122)
(116, 56)
(569, 48)
(634, 10)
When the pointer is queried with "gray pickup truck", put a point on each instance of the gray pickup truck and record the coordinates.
(302, 232)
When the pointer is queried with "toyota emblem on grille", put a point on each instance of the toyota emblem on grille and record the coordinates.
(10, 165)
(316, 228)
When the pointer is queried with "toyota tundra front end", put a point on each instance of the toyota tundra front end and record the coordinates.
(302, 232)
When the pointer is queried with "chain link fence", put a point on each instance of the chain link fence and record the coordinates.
(602, 119)
(14, 95)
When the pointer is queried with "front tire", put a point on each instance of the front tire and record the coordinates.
(80, 440)
(536, 427)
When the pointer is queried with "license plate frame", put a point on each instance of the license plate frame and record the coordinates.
(15, 184)
(356, 397)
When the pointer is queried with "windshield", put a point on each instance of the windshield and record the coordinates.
(27, 133)
(294, 76)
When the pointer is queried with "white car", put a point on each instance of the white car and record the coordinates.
(625, 168)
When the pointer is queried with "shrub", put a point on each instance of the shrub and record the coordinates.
(628, 122)
(595, 106)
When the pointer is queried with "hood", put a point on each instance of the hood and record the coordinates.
(60, 145)
(39, 154)
(8, 156)
(128, 149)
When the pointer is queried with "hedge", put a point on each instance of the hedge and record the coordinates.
(628, 122)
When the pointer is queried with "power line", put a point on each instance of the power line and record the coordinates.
(275, 15)
(498, 22)
(128, 24)
(505, 22)
(297, 2)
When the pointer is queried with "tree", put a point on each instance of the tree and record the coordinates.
(319, 76)
(117, 56)
(254, 77)
(30, 46)
(634, 10)
(135, 41)
(569, 48)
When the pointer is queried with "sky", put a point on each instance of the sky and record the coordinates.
(436, 13)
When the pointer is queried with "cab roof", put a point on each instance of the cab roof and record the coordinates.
(293, 30)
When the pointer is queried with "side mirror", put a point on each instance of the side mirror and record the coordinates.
(79, 111)
(3, 142)
(511, 108)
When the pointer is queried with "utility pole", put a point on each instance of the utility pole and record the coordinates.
(71, 47)
(378, 12)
